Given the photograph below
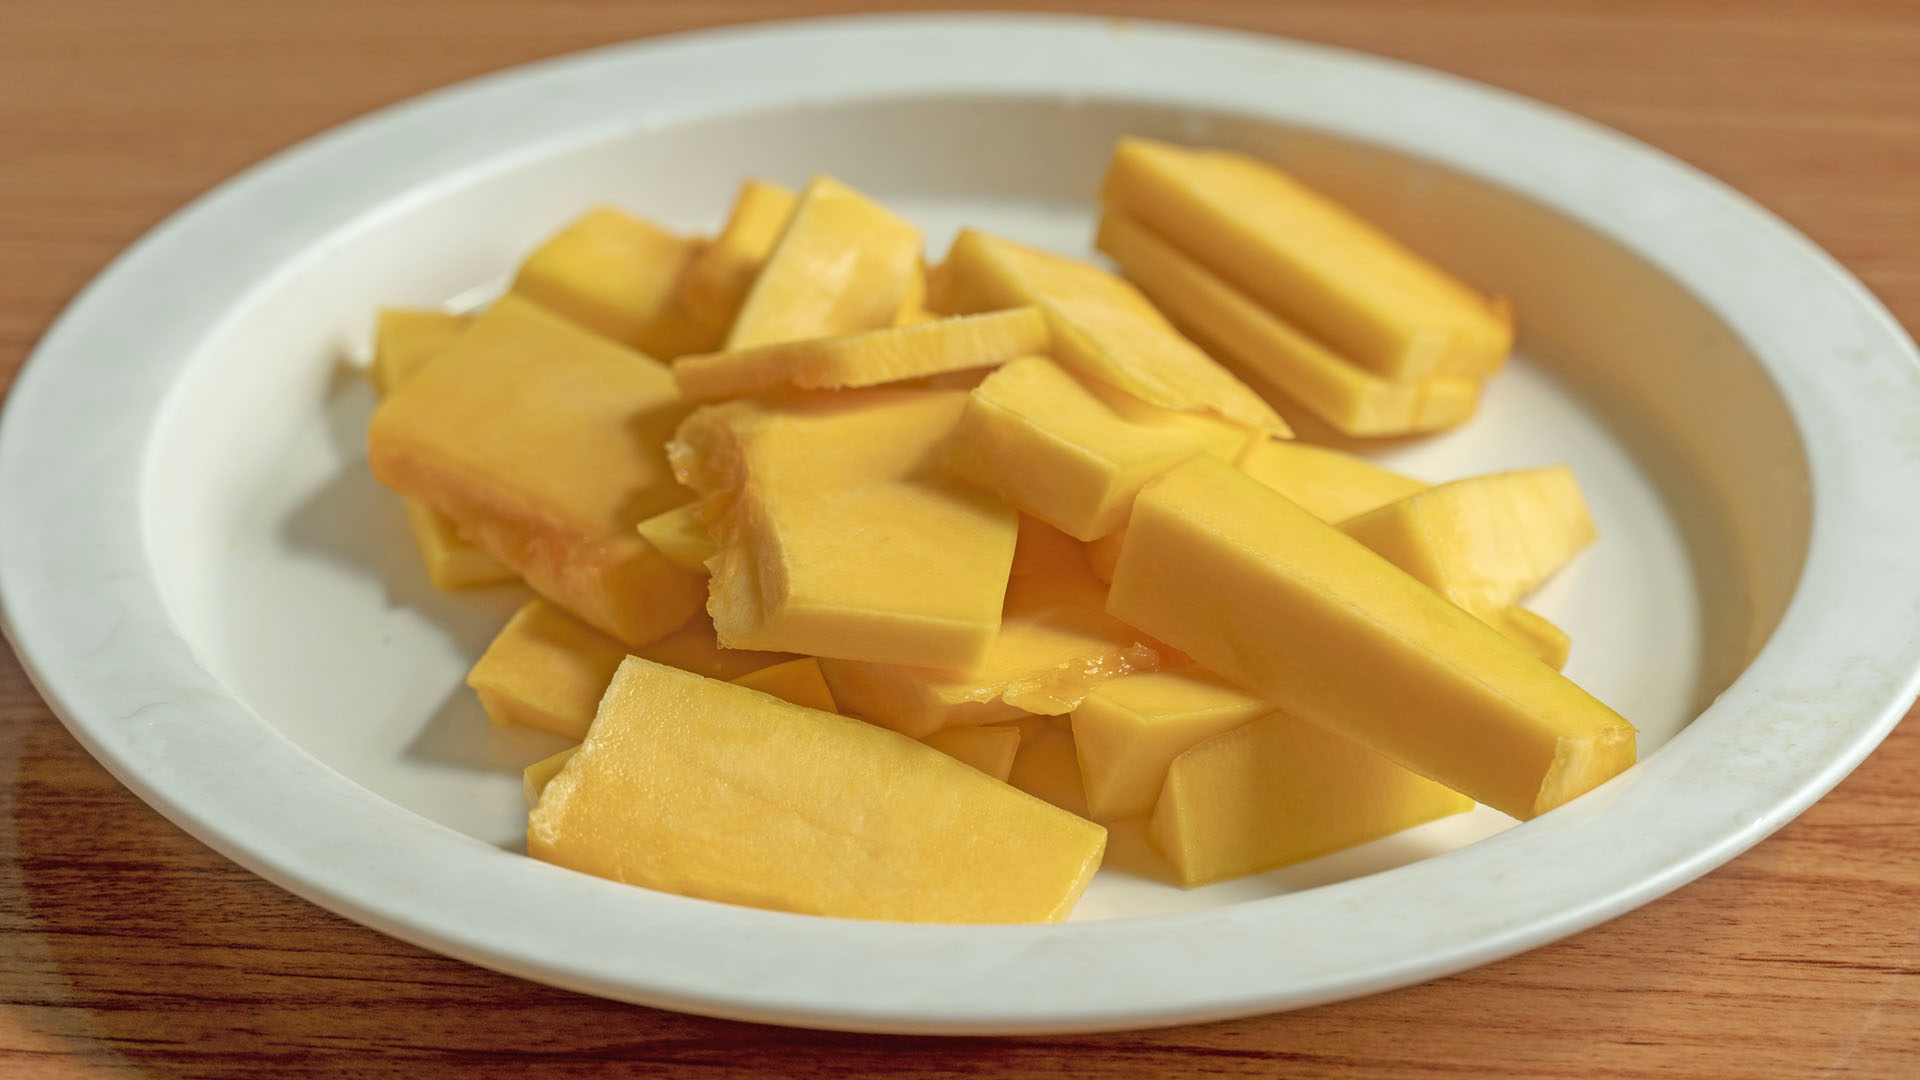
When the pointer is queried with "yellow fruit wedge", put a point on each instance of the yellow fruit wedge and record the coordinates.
(1073, 451)
(696, 648)
(798, 681)
(542, 441)
(867, 359)
(1056, 642)
(1129, 730)
(608, 271)
(711, 790)
(534, 778)
(718, 278)
(1310, 261)
(837, 536)
(680, 536)
(843, 265)
(989, 748)
(1278, 791)
(1101, 327)
(1349, 398)
(1047, 767)
(404, 340)
(1253, 587)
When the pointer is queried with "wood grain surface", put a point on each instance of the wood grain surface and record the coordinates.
(128, 949)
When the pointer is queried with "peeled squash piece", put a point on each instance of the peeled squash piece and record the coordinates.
(1279, 602)
(989, 748)
(608, 271)
(1350, 399)
(798, 681)
(696, 648)
(1056, 642)
(1047, 767)
(404, 341)
(866, 359)
(843, 265)
(534, 778)
(711, 790)
(1101, 327)
(1129, 730)
(543, 442)
(717, 279)
(837, 535)
(680, 536)
(1310, 261)
(1072, 451)
(1278, 791)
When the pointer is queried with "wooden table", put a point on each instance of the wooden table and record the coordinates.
(129, 949)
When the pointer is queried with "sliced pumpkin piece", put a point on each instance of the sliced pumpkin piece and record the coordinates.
(609, 271)
(718, 279)
(989, 747)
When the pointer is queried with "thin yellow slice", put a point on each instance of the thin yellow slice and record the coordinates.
(718, 279)
(609, 271)
(989, 747)
(680, 536)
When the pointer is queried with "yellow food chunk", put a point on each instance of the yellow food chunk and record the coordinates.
(543, 442)
(673, 333)
(608, 271)
(837, 537)
(1262, 592)
(718, 278)
(1129, 730)
(1310, 261)
(1279, 791)
(798, 681)
(534, 778)
(707, 789)
(404, 341)
(843, 265)
(1101, 327)
(1328, 484)
(989, 748)
(1048, 767)
(1351, 399)
(545, 669)
(1072, 451)
(1056, 642)
(867, 359)
(680, 536)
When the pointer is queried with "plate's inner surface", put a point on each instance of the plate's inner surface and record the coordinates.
(293, 574)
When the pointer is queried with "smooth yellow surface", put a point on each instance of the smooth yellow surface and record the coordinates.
(797, 681)
(707, 789)
(867, 359)
(1056, 642)
(696, 648)
(609, 271)
(545, 669)
(1280, 791)
(1101, 327)
(1349, 398)
(1310, 261)
(534, 778)
(1129, 730)
(544, 443)
(404, 340)
(843, 265)
(837, 536)
(718, 278)
(1253, 587)
(989, 748)
(1073, 451)
(679, 535)
(1048, 767)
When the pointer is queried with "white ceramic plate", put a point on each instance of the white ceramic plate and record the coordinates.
(224, 608)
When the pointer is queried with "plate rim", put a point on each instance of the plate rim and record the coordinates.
(77, 613)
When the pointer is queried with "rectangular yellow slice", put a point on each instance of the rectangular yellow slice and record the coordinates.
(609, 271)
(866, 359)
(534, 778)
(798, 681)
(1047, 767)
(989, 748)
(1279, 791)
(711, 790)
(1072, 451)
(843, 265)
(1100, 326)
(542, 441)
(1351, 399)
(680, 536)
(718, 278)
(837, 536)
(1310, 261)
(1129, 730)
(1253, 587)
